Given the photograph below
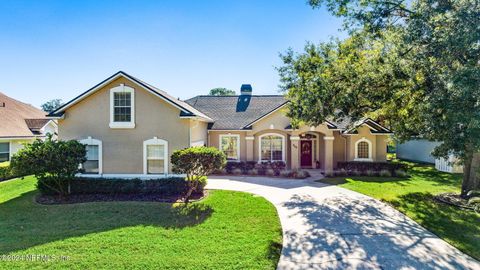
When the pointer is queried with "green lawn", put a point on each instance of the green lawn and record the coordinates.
(413, 196)
(227, 230)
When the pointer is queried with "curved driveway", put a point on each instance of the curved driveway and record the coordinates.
(328, 227)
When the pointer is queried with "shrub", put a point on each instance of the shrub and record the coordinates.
(270, 172)
(54, 163)
(286, 173)
(299, 174)
(373, 166)
(6, 171)
(355, 173)
(237, 171)
(197, 163)
(341, 172)
(253, 172)
(385, 173)
(163, 186)
(370, 173)
(400, 173)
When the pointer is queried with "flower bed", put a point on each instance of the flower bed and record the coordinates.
(253, 168)
(382, 169)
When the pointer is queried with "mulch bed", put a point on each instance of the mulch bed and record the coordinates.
(453, 199)
(84, 198)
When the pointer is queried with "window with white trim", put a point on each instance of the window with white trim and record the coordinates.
(155, 156)
(93, 164)
(122, 107)
(272, 147)
(230, 145)
(363, 150)
(4, 151)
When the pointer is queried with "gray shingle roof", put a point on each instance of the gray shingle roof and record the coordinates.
(236, 112)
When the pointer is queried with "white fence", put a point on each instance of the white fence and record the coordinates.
(449, 165)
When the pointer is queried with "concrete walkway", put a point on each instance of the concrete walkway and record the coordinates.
(328, 227)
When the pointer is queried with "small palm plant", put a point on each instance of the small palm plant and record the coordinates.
(474, 199)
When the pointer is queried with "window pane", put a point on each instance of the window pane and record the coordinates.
(229, 146)
(155, 166)
(91, 166)
(362, 150)
(4, 147)
(265, 148)
(121, 107)
(272, 148)
(92, 152)
(4, 157)
(155, 151)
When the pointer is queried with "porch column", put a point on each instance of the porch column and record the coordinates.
(295, 151)
(328, 146)
(249, 147)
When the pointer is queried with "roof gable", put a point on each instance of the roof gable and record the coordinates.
(186, 109)
(236, 112)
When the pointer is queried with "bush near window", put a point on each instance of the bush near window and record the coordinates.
(197, 163)
(54, 163)
(276, 168)
(260, 168)
(87, 185)
(371, 168)
(6, 171)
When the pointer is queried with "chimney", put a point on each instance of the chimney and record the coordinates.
(246, 90)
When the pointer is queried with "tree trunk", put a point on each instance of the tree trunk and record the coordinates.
(471, 168)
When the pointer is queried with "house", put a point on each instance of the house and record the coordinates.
(131, 129)
(20, 123)
(420, 150)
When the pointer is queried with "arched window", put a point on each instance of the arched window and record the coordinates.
(155, 156)
(93, 165)
(272, 147)
(363, 150)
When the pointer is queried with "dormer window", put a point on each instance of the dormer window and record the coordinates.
(122, 107)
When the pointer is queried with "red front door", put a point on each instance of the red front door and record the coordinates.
(306, 153)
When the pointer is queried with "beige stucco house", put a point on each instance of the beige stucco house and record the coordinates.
(21, 123)
(131, 129)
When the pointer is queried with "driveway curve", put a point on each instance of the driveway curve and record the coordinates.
(328, 227)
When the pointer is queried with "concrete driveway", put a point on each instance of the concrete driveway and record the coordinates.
(328, 227)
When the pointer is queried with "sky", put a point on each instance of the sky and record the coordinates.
(58, 49)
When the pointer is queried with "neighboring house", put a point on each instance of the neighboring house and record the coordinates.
(131, 128)
(20, 123)
(420, 150)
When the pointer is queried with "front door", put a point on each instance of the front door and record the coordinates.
(306, 153)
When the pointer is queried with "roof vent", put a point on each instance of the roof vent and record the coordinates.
(246, 89)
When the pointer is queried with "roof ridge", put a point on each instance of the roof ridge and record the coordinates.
(237, 96)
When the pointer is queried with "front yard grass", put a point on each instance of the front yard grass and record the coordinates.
(227, 230)
(414, 197)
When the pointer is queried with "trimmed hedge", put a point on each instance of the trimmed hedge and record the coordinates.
(6, 172)
(368, 167)
(87, 185)
(244, 167)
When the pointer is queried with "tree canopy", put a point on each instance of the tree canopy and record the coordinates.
(51, 105)
(220, 91)
(412, 64)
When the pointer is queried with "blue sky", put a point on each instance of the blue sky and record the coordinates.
(58, 49)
